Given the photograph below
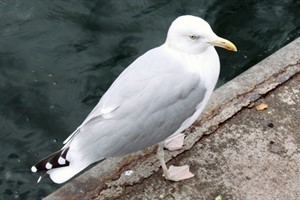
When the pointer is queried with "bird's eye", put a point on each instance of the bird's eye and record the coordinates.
(194, 37)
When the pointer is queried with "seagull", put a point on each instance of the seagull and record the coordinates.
(153, 101)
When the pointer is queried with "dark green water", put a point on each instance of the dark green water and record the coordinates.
(58, 57)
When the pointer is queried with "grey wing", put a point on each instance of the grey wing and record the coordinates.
(154, 107)
(165, 108)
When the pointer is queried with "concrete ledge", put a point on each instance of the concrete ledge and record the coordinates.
(108, 180)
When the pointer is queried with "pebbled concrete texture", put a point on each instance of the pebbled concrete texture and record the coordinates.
(234, 149)
(253, 155)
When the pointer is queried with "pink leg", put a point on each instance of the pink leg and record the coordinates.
(173, 173)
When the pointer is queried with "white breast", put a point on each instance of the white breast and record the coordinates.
(207, 66)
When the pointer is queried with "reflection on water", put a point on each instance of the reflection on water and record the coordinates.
(58, 58)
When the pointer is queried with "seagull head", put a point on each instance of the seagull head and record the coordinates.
(194, 35)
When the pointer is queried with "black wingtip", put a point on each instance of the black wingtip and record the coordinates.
(55, 160)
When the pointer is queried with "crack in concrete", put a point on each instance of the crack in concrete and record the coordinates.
(210, 121)
(242, 101)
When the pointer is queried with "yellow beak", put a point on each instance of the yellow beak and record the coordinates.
(223, 43)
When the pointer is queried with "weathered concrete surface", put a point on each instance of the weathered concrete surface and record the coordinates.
(254, 155)
(223, 162)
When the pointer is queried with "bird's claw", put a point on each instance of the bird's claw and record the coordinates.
(174, 143)
(178, 173)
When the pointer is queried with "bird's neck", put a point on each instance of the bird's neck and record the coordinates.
(206, 64)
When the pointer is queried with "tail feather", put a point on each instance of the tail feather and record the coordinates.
(63, 174)
(55, 160)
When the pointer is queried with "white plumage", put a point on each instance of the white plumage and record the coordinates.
(159, 95)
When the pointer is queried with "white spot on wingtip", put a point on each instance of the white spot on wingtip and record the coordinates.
(33, 169)
(40, 178)
(48, 165)
(61, 161)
